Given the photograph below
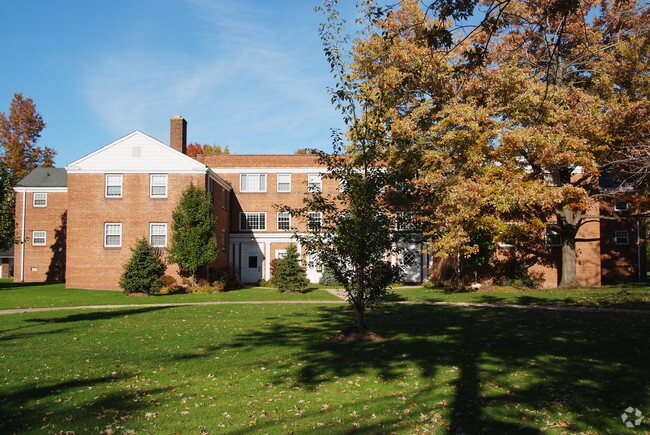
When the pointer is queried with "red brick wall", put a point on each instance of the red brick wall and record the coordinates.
(89, 263)
(620, 262)
(42, 263)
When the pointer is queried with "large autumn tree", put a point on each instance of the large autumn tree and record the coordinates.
(512, 121)
(19, 155)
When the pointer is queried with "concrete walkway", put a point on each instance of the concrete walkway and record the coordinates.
(340, 294)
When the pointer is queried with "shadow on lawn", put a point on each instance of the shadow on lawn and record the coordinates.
(17, 285)
(20, 411)
(592, 366)
(96, 315)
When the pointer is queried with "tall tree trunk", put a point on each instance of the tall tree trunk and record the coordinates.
(569, 223)
(361, 320)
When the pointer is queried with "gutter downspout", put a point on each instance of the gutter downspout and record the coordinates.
(22, 241)
(638, 249)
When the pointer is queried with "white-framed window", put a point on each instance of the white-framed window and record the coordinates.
(252, 221)
(40, 199)
(314, 220)
(113, 186)
(313, 263)
(158, 235)
(252, 182)
(284, 182)
(284, 221)
(280, 254)
(553, 236)
(621, 237)
(314, 183)
(112, 235)
(224, 240)
(620, 206)
(39, 238)
(158, 186)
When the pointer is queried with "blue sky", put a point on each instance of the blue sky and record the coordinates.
(249, 74)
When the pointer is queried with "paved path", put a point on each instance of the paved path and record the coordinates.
(342, 296)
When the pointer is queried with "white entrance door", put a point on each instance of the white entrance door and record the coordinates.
(251, 263)
(410, 262)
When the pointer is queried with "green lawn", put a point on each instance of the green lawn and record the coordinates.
(633, 295)
(269, 369)
(34, 295)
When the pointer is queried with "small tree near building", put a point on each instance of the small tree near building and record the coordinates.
(193, 243)
(289, 275)
(143, 272)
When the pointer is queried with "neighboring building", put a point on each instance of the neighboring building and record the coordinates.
(7, 263)
(78, 223)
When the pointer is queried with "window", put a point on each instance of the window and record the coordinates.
(553, 236)
(112, 235)
(158, 186)
(621, 237)
(280, 254)
(113, 186)
(315, 220)
(620, 206)
(224, 199)
(313, 263)
(252, 221)
(158, 235)
(314, 183)
(39, 238)
(284, 221)
(224, 240)
(40, 199)
(252, 183)
(284, 182)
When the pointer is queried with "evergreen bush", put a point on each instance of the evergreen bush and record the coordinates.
(328, 277)
(143, 272)
(289, 276)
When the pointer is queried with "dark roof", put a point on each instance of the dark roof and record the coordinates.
(9, 253)
(45, 177)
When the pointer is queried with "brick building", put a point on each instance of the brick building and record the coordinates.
(77, 224)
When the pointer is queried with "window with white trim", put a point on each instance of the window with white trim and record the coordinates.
(280, 254)
(284, 221)
(621, 237)
(40, 199)
(553, 236)
(112, 235)
(113, 186)
(284, 182)
(314, 220)
(252, 221)
(158, 235)
(314, 183)
(252, 182)
(314, 263)
(620, 206)
(39, 238)
(158, 186)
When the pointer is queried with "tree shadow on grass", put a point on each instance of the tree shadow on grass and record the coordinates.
(18, 285)
(104, 314)
(21, 409)
(513, 366)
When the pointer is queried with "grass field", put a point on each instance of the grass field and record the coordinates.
(269, 369)
(632, 295)
(34, 295)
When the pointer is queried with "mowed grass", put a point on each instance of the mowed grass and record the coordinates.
(35, 295)
(269, 369)
(632, 296)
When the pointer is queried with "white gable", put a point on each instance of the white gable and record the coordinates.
(136, 153)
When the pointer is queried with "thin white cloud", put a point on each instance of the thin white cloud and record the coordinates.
(245, 81)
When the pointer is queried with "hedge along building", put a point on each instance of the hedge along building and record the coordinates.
(77, 224)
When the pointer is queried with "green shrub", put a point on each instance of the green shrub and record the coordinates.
(143, 272)
(328, 277)
(266, 283)
(168, 281)
(429, 284)
(226, 276)
(289, 276)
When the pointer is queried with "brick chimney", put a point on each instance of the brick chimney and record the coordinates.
(178, 134)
